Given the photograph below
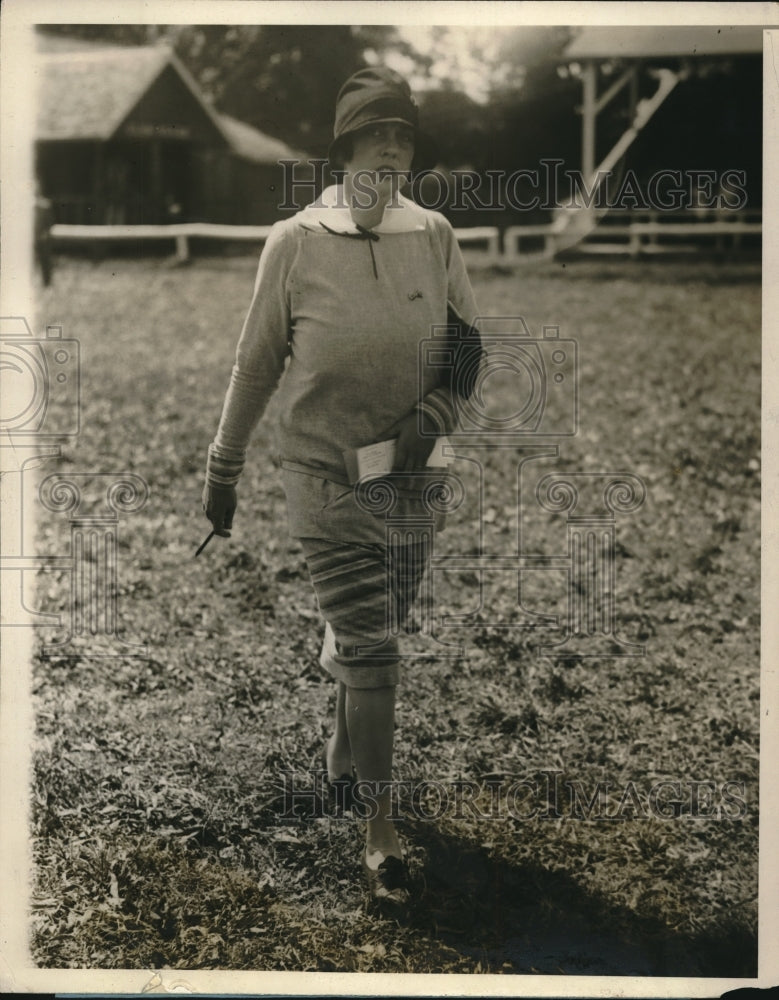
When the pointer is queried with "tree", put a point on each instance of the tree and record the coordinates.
(459, 125)
(282, 79)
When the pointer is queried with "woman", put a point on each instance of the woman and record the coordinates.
(345, 292)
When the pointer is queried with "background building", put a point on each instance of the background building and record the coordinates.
(125, 136)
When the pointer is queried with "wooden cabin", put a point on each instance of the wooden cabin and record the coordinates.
(124, 136)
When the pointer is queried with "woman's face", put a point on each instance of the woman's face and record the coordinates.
(382, 148)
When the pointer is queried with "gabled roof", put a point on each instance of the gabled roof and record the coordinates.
(87, 91)
(87, 94)
(251, 144)
(677, 41)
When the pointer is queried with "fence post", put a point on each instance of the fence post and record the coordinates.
(182, 247)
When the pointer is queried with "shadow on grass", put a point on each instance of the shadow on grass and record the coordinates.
(528, 919)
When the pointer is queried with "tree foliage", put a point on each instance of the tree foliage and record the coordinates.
(282, 79)
(494, 99)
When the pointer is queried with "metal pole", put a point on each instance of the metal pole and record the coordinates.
(589, 84)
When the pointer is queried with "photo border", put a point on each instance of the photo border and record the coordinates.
(17, 299)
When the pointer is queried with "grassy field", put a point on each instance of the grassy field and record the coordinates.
(159, 801)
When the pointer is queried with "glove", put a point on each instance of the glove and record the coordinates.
(219, 503)
(412, 450)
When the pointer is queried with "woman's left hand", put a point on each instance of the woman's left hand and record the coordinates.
(413, 447)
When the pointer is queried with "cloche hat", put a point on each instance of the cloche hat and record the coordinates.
(379, 94)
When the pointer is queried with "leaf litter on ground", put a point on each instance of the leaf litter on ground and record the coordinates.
(160, 834)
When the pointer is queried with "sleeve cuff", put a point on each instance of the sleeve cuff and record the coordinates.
(438, 407)
(223, 468)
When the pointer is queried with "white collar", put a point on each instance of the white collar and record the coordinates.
(331, 209)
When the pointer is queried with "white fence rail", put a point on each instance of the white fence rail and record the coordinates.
(480, 234)
(179, 232)
(636, 237)
(639, 232)
(182, 232)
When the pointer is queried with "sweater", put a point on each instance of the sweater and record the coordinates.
(335, 323)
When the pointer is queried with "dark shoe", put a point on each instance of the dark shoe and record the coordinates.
(388, 884)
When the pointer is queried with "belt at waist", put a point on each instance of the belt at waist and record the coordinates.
(314, 470)
(338, 477)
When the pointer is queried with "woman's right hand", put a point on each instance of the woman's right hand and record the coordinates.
(219, 503)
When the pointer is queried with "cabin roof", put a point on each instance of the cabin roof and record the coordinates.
(86, 91)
